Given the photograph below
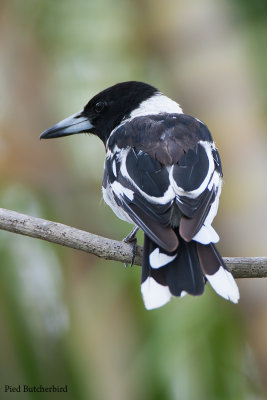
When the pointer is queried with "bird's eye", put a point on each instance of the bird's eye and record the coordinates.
(99, 106)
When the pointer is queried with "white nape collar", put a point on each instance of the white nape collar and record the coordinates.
(157, 104)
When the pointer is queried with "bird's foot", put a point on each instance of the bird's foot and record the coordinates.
(132, 240)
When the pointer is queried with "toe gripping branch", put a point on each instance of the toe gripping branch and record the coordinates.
(132, 240)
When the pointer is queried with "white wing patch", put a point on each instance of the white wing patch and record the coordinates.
(120, 190)
(197, 192)
(168, 196)
(114, 168)
(214, 207)
(207, 233)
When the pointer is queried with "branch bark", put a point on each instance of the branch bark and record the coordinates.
(241, 267)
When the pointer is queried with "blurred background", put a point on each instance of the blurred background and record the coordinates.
(67, 317)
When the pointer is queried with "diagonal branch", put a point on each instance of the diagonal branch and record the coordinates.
(241, 267)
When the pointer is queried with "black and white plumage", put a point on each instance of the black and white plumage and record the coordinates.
(163, 174)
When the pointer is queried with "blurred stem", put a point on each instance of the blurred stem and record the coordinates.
(241, 267)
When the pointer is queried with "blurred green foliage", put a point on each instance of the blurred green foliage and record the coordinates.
(69, 318)
(253, 16)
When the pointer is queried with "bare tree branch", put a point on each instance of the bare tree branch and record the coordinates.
(241, 267)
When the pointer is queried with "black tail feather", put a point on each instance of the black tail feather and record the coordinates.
(184, 274)
(216, 272)
(181, 276)
(184, 271)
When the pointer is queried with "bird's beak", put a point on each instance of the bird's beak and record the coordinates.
(76, 123)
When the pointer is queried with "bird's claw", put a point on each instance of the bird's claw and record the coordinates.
(132, 240)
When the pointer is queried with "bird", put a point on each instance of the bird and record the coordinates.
(163, 174)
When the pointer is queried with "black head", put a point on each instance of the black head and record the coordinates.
(104, 111)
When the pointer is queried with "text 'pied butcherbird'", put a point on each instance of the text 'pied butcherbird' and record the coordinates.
(163, 174)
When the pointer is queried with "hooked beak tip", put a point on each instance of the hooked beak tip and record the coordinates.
(76, 123)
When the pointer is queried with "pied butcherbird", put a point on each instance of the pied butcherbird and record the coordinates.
(163, 174)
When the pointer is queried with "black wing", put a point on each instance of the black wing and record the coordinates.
(141, 186)
(161, 170)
